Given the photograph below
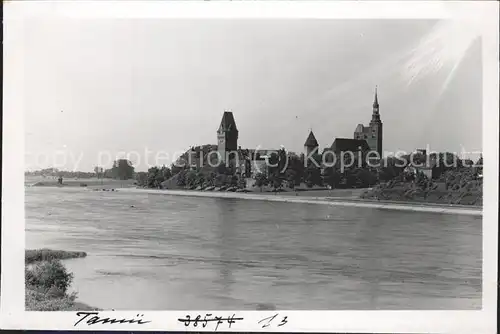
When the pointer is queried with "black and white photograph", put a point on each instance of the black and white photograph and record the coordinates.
(251, 164)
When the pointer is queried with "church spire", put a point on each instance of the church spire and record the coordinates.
(375, 113)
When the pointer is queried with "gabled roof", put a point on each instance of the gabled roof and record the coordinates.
(311, 141)
(349, 145)
(227, 123)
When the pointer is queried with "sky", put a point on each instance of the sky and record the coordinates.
(96, 87)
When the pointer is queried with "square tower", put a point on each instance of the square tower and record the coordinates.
(227, 136)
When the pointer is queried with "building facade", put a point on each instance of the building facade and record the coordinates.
(372, 133)
(249, 162)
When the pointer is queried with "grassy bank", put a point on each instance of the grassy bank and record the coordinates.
(453, 188)
(47, 281)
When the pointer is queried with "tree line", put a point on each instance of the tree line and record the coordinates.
(283, 170)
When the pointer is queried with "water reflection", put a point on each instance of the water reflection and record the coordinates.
(225, 222)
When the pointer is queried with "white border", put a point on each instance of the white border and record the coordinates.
(12, 311)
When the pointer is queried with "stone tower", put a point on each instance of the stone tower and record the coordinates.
(311, 144)
(376, 126)
(227, 136)
(372, 133)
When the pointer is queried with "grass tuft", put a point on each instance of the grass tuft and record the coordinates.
(47, 281)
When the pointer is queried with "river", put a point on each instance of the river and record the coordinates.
(161, 252)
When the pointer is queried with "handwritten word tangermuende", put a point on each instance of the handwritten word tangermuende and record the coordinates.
(92, 318)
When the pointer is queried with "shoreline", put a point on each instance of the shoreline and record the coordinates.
(339, 201)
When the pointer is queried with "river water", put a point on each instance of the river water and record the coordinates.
(160, 252)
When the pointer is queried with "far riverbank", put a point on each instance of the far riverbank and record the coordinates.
(325, 200)
(79, 182)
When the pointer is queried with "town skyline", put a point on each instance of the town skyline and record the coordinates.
(169, 101)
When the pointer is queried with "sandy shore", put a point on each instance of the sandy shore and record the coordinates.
(338, 201)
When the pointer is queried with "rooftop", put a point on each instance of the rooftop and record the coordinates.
(311, 141)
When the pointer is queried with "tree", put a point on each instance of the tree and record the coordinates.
(351, 179)
(273, 162)
(181, 178)
(99, 171)
(366, 178)
(446, 161)
(241, 182)
(479, 165)
(295, 170)
(331, 177)
(191, 178)
(142, 178)
(220, 180)
(122, 169)
(313, 176)
(391, 168)
(155, 177)
(222, 169)
(291, 177)
(166, 172)
(210, 180)
(108, 173)
(200, 179)
(233, 181)
(276, 181)
(260, 180)
(176, 169)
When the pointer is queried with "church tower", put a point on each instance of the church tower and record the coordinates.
(376, 127)
(227, 136)
(372, 133)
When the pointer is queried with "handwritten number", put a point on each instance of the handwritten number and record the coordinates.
(267, 321)
(208, 318)
(205, 321)
(283, 321)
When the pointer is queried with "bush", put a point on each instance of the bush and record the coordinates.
(50, 276)
(40, 301)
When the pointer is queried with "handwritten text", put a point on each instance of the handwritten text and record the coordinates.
(208, 318)
(92, 318)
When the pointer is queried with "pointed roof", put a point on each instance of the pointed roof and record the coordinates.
(375, 102)
(311, 140)
(227, 123)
